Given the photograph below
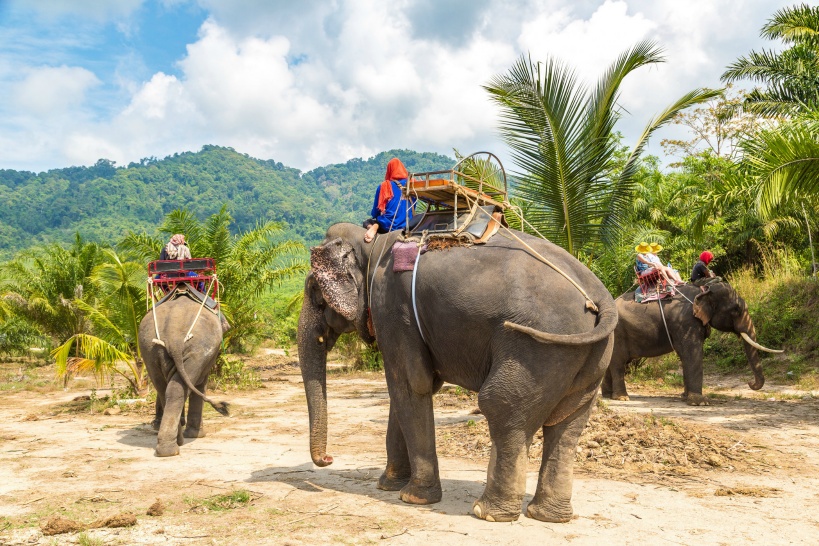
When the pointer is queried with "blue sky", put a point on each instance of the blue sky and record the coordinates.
(313, 82)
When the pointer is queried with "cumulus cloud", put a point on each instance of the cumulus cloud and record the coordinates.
(314, 82)
(52, 91)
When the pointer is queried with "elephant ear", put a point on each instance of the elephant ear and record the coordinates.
(704, 306)
(333, 269)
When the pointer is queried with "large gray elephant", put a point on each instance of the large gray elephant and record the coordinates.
(179, 367)
(492, 319)
(690, 315)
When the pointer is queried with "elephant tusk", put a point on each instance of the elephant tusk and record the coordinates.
(320, 339)
(756, 345)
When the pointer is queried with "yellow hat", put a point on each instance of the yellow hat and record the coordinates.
(656, 247)
(642, 248)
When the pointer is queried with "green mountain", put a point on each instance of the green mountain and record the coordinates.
(103, 202)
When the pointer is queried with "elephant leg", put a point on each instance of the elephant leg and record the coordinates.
(553, 498)
(194, 428)
(158, 411)
(511, 433)
(617, 372)
(691, 359)
(398, 471)
(411, 384)
(606, 386)
(167, 442)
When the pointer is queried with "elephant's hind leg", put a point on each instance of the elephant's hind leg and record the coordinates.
(167, 441)
(194, 428)
(511, 431)
(553, 498)
(398, 471)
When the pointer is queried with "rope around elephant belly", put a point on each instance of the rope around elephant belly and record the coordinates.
(189, 335)
(662, 313)
(156, 340)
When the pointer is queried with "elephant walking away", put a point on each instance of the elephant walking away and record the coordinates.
(179, 367)
(690, 315)
(492, 319)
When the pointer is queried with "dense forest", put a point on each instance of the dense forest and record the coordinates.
(103, 201)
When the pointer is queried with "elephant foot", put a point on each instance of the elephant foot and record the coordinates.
(486, 510)
(418, 494)
(549, 513)
(167, 450)
(696, 400)
(392, 483)
(621, 397)
(155, 424)
(194, 433)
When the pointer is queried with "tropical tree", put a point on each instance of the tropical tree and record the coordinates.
(115, 315)
(790, 78)
(248, 264)
(43, 286)
(563, 141)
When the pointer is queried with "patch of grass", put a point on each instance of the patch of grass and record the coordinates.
(358, 354)
(660, 372)
(84, 540)
(227, 501)
(230, 372)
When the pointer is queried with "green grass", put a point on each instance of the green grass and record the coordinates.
(230, 372)
(84, 540)
(660, 372)
(227, 501)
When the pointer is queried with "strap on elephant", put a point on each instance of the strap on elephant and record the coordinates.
(157, 340)
(662, 314)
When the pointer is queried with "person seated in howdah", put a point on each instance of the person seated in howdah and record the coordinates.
(390, 210)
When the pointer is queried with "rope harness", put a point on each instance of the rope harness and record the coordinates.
(157, 340)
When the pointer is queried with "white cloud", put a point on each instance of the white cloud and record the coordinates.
(52, 91)
(309, 83)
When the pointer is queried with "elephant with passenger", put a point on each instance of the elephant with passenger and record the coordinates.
(179, 367)
(680, 324)
(492, 319)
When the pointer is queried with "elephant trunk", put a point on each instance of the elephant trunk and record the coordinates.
(312, 342)
(752, 355)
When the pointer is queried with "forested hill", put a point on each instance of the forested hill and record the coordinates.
(103, 202)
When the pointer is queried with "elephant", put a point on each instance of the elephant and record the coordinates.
(690, 315)
(490, 318)
(178, 367)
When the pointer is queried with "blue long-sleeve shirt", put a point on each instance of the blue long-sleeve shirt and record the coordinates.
(395, 216)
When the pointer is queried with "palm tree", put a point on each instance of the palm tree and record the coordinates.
(790, 77)
(115, 316)
(783, 162)
(563, 140)
(43, 285)
(248, 264)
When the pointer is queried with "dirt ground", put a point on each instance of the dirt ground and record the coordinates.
(652, 470)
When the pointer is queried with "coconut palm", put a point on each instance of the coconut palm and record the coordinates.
(563, 140)
(790, 77)
(248, 264)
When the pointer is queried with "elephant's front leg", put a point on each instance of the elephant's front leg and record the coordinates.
(691, 356)
(411, 385)
(170, 432)
(194, 428)
(553, 498)
(398, 471)
(158, 410)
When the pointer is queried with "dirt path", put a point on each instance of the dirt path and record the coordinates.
(87, 467)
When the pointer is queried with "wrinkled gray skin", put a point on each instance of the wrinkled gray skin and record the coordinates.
(164, 365)
(640, 333)
(464, 298)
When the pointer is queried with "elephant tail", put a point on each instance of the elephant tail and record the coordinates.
(607, 320)
(178, 357)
